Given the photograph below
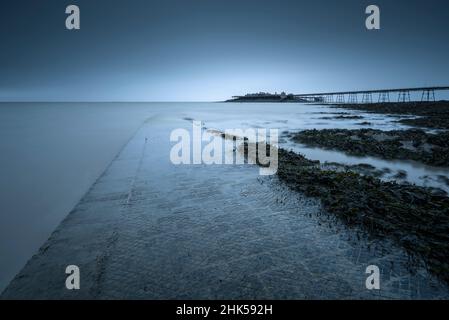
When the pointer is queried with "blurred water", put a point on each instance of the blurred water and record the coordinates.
(294, 117)
(51, 153)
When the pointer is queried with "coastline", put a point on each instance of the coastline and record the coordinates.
(234, 235)
(434, 115)
(150, 230)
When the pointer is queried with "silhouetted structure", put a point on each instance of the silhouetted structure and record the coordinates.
(428, 94)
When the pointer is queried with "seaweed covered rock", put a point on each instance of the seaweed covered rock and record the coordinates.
(413, 144)
(416, 218)
(433, 114)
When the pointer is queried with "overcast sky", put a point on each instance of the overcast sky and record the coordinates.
(207, 50)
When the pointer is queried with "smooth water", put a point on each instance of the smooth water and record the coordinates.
(51, 153)
(296, 117)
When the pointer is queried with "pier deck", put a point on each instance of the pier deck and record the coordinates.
(427, 94)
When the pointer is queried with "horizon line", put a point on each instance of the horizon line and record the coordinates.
(106, 101)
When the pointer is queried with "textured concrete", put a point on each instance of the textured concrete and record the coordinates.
(150, 230)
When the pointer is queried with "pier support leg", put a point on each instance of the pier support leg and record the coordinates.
(384, 97)
(367, 97)
(428, 95)
(340, 98)
(352, 98)
(404, 96)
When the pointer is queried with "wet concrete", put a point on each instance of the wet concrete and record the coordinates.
(150, 230)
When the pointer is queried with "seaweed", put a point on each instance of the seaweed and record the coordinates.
(412, 144)
(416, 218)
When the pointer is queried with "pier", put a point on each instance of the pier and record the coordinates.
(369, 96)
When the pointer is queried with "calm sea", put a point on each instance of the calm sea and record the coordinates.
(51, 153)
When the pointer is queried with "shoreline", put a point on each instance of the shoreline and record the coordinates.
(412, 144)
(232, 235)
(399, 210)
(414, 217)
(433, 115)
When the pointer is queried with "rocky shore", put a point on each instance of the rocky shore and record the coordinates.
(416, 218)
(148, 229)
(428, 114)
(413, 144)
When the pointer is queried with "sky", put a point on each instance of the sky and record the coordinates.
(210, 50)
